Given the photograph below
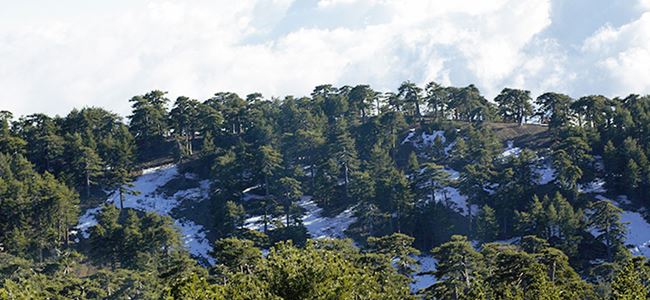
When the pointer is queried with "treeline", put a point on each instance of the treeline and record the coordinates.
(330, 269)
(343, 146)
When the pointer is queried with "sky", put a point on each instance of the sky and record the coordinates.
(58, 55)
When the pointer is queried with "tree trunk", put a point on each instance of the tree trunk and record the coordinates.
(347, 181)
(265, 219)
(287, 212)
(609, 245)
(266, 185)
(313, 176)
(469, 215)
(87, 185)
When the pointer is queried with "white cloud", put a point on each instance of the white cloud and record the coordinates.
(622, 55)
(284, 47)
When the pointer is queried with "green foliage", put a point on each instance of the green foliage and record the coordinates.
(627, 284)
(486, 224)
(37, 211)
(398, 247)
(148, 121)
(340, 145)
(122, 238)
(458, 270)
(605, 218)
(514, 105)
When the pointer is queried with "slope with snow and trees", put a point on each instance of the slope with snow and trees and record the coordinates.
(430, 192)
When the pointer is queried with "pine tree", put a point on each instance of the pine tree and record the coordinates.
(412, 165)
(122, 182)
(290, 192)
(342, 149)
(410, 95)
(540, 286)
(568, 173)
(237, 255)
(91, 165)
(148, 121)
(396, 197)
(208, 146)
(399, 248)
(553, 109)
(433, 178)
(183, 119)
(380, 162)
(9, 144)
(438, 99)
(487, 227)
(631, 177)
(105, 237)
(514, 105)
(458, 270)
(234, 217)
(605, 218)
(627, 284)
(269, 161)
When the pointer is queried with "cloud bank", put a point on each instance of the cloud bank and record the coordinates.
(54, 57)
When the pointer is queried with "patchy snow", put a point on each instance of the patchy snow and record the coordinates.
(150, 199)
(429, 139)
(194, 240)
(510, 150)
(596, 186)
(255, 223)
(420, 280)
(546, 173)
(408, 137)
(86, 221)
(425, 139)
(250, 189)
(319, 226)
(453, 198)
(638, 235)
(638, 229)
(453, 174)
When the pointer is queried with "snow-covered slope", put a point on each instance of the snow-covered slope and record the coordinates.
(151, 199)
(423, 280)
(638, 235)
(318, 226)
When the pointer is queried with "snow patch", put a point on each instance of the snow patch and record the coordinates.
(150, 199)
(546, 173)
(408, 137)
(510, 150)
(638, 235)
(86, 221)
(319, 226)
(429, 139)
(453, 199)
(194, 239)
(421, 280)
(638, 229)
(596, 186)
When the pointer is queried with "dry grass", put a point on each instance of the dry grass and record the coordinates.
(528, 135)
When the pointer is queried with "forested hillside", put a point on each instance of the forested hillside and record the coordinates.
(427, 192)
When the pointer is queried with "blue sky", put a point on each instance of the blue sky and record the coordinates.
(56, 55)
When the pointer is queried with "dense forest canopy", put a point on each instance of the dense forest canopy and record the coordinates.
(515, 198)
